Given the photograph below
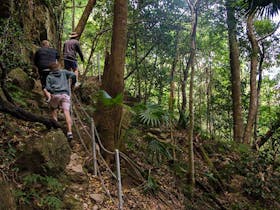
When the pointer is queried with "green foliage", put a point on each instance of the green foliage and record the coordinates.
(262, 175)
(157, 151)
(41, 191)
(151, 114)
(262, 180)
(131, 136)
(263, 27)
(11, 41)
(151, 185)
(19, 95)
(107, 100)
(180, 168)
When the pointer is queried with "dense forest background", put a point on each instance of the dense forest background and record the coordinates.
(190, 87)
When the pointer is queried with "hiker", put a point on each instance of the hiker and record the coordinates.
(42, 59)
(57, 85)
(70, 48)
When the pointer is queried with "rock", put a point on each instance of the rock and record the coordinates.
(71, 202)
(98, 198)
(7, 200)
(21, 79)
(50, 153)
(75, 170)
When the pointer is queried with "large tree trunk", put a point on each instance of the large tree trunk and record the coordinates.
(83, 20)
(113, 79)
(253, 81)
(235, 73)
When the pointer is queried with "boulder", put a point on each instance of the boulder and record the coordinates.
(21, 79)
(50, 153)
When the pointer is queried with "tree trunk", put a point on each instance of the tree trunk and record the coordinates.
(235, 74)
(262, 140)
(194, 7)
(7, 105)
(73, 14)
(113, 79)
(173, 68)
(83, 20)
(3, 83)
(19, 113)
(262, 54)
(253, 80)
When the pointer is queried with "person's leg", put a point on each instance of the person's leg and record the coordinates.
(54, 114)
(65, 105)
(43, 77)
(68, 120)
(54, 104)
(77, 73)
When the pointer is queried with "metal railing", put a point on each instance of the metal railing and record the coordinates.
(96, 151)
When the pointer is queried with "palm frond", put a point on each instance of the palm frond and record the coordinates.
(268, 8)
(152, 115)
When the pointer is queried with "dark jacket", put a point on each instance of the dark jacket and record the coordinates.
(57, 81)
(70, 48)
(44, 57)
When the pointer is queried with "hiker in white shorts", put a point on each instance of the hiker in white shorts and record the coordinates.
(58, 86)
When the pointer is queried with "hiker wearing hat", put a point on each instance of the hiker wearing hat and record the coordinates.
(57, 86)
(42, 59)
(70, 48)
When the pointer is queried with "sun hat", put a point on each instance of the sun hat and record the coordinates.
(73, 34)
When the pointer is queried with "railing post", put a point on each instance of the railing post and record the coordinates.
(119, 179)
(93, 147)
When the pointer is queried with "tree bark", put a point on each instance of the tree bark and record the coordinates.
(3, 83)
(113, 79)
(193, 7)
(253, 81)
(73, 14)
(262, 54)
(172, 72)
(261, 141)
(235, 73)
(83, 20)
(7, 107)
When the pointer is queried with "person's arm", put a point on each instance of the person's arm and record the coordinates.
(48, 86)
(79, 51)
(71, 75)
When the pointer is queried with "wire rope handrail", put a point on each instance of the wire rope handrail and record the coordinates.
(116, 153)
(103, 185)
